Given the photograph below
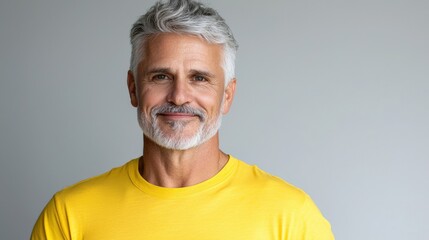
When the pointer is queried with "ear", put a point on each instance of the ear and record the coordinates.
(229, 96)
(132, 88)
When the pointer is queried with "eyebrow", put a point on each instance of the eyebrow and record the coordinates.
(202, 73)
(158, 70)
(169, 71)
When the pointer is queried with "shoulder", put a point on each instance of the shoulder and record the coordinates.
(276, 197)
(271, 187)
(62, 217)
(106, 183)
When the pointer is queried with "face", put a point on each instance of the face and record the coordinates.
(179, 90)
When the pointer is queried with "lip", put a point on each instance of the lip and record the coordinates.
(177, 116)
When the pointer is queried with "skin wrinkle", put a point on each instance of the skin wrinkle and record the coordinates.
(181, 73)
(196, 62)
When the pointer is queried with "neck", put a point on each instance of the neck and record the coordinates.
(181, 168)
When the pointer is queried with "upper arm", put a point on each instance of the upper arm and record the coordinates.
(52, 222)
(315, 225)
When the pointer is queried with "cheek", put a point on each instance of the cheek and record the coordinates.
(149, 97)
(146, 103)
(211, 102)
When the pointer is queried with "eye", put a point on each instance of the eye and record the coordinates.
(160, 77)
(200, 79)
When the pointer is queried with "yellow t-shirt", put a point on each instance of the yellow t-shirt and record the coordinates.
(240, 202)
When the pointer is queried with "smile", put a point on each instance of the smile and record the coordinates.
(178, 116)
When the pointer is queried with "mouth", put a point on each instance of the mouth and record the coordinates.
(172, 112)
(178, 116)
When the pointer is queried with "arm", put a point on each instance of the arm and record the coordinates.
(52, 222)
(315, 226)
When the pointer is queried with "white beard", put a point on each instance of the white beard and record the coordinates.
(152, 130)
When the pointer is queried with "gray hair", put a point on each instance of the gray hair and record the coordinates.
(184, 17)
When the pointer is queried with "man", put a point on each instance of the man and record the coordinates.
(181, 81)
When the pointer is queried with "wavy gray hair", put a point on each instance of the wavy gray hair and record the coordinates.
(184, 17)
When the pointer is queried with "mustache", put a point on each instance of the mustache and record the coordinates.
(171, 108)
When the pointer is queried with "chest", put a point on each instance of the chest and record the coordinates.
(207, 218)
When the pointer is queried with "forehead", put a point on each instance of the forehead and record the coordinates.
(171, 48)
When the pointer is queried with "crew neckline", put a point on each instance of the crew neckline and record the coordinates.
(163, 192)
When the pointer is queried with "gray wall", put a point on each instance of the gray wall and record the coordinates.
(332, 96)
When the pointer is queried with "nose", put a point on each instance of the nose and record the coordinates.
(180, 92)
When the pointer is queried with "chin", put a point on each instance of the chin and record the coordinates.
(176, 143)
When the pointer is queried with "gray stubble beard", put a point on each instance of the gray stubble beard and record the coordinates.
(152, 131)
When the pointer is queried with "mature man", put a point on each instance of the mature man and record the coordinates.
(181, 81)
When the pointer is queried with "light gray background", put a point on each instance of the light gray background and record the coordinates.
(332, 97)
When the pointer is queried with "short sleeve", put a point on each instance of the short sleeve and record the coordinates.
(52, 222)
(315, 225)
